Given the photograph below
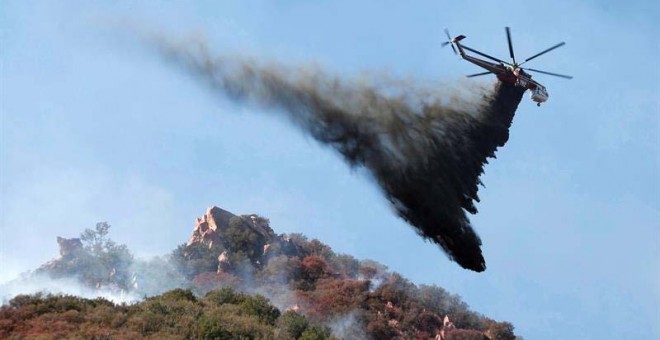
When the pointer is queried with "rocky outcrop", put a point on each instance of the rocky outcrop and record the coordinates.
(224, 233)
(69, 246)
(107, 267)
(224, 264)
(70, 250)
(447, 327)
(210, 228)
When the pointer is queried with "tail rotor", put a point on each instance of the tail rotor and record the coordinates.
(449, 41)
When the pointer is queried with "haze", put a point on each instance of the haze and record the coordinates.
(96, 128)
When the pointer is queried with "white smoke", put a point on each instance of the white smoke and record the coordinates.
(32, 284)
(347, 326)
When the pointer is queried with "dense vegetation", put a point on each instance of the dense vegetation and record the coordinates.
(220, 314)
(247, 284)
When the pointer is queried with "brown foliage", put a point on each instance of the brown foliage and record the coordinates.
(500, 331)
(428, 322)
(313, 267)
(465, 334)
(380, 329)
(336, 296)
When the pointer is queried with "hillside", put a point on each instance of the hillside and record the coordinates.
(234, 278)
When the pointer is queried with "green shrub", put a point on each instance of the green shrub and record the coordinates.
(222, 296)
(210, 327)
(260, 307)
(179, 294)
(293, 324)
(316, 333)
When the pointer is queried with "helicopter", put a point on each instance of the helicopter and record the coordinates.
(511, 73)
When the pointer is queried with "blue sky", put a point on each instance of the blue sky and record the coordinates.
(96, 128)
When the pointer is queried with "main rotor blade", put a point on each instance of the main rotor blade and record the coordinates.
(508, 37)
(550, 73)
(479, 74)
(484, 55)
(544, 52)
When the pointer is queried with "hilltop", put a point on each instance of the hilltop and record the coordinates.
(234, 278)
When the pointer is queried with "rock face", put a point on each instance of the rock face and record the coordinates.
(447, 327)
(225, 233)
(211, 228)
(208, 227)
(70, 250)
(69, 246)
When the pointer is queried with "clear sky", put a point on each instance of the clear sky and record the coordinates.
(96, 128)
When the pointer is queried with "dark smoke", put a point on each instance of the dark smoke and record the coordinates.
(425, 148)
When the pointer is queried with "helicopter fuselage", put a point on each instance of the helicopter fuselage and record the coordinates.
(507, 74)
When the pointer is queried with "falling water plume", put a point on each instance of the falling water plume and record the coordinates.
(426, 148)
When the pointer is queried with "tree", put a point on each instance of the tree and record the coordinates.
(314, 268)
(500, 330)
(96, 241)
(316, 247)
(346, 265)
(316, 333)
(112, 261)
(379, 329)
(242, 241)
(260, 307)
(396, 289)
(465, 334)
(281, 269)
(293, 324)
(191, 260)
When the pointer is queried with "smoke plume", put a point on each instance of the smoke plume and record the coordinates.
(425, 148)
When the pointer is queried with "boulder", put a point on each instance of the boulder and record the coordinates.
(208, 228)
(69, 246)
